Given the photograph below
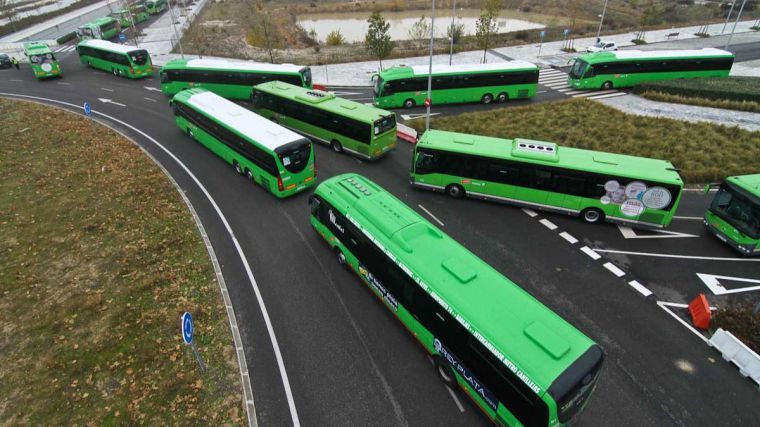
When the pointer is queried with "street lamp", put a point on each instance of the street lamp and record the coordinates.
(428, 99)
(738, 16)
(601, 18)
(453, 15)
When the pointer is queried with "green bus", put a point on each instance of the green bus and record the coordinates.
(42, 60)
(625, 68)
(121, 60)
(734, 215)
(125, 16)
(228, 78)
(407, 86)
(521, 363)
(276, 158)
(102, 28)
(155, 7)
(344, 125)
(594, 185)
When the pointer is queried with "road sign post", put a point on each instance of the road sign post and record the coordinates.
(541, 43)
(187, 336)
(87, 109)
(122, 38)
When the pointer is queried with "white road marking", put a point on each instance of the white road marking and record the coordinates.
(567, 236)
(552, 80)
(594, 93)
(106, 89)
(548, 224)
(431, 215)
(565, 89)
(614, 269)
(541, 91)
(687, 217)
(708, 258)
(63, 83)
(641, 288)
(15, 80)
(629, 233)
(456, 400)
(239, 249)
(408, 117)
(590, 252)
(711, 281)
(664, 306)
(531, 213)
(574, 92)
(152, 88)
(612, 95)
(108, 101)
(149, 99)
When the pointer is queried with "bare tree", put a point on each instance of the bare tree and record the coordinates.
(8, 11)
(262, 32)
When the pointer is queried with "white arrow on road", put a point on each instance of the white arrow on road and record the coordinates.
(712, 282)
(108, 101)
(416, 116)
(152, 88)
(629, 233)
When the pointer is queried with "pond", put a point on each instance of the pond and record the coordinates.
(353, 25)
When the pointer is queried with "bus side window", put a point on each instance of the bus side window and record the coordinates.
(426, 163)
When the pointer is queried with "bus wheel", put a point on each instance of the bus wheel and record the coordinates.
(341, 258)
(455, 190)
(444, 370)
(237, 167)
(336, 146)
(607, 85)
(115, 72)
(503, 97)
(409, 103)
(249, 174)
(592, 215)
(190, 133)
(487, 98)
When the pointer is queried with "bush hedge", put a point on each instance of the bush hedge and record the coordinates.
(66, 37)
(718, 88)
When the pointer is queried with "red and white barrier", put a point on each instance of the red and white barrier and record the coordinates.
(406, 133)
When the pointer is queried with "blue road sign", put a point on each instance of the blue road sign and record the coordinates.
(87, 109)
(543, 34)
(187, 328)
(122, 37)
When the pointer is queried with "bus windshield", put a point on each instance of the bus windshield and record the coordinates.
(295, 156)
(139, 57)
(385, 124)
(378, 86)
(576, 71)
(738, 209)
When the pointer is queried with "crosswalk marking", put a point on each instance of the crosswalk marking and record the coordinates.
(62, 49)
(587, 93)
(609, 95)
(557, 80)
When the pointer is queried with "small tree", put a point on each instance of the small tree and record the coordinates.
(455, 31)
(335, 38)
(262, 32)
(377, 40)
(419, 31)
(486, 26)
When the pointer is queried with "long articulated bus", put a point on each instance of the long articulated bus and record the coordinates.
(138, 13)
(734, 215)
(344, 125)
(276, 158)
(155, 7)
(625, 68)
(520, 362)
(121, 60)
(407, 86)
(42, 60)
(227, 78)
(595, 185)
(102, 28)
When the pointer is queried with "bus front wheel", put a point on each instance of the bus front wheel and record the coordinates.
(115, 72)
(455, 190)
(341, 258)
(190, 133)
(249, 174)
(487, 98)
(409, 103)
(592, 215)
(444, 370)
(238, 169)
(503, 97)
(607, 85)
(336, 146)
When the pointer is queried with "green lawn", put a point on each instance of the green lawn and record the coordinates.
(734, 93)
(704, 152)
(100, 257)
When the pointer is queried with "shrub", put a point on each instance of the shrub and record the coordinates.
(335, 38)
(717, 88)
(66, 37)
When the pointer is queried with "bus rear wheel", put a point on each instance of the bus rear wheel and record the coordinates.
(487, 98)
(503, 97)
(190, 133)
(455, 190)
(115, 72)
(444, 370)
(335, 145)
(238, 169)
(607, 85)
(249, 174)
(592, 215)
(341, 258)
(409, 103)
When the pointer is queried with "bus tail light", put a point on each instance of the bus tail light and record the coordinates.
(131, 70)
(279, 184)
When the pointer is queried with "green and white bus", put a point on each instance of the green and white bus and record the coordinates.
(138, 12)
(734, 215)
(155, 6)
(121, 60)
(102, 28)
(625, 68)
(42, 60)
(594, 185)
(407, 86)
(521, 363)
(228, 78)
(344, 125)
(276, 158)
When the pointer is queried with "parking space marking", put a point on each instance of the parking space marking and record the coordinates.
(567, 236)
(641, 288)
(431, 215)
(548, 224)
(590, 252)
(614, 269)
(707, 258)
(531, 213)
(456, 400)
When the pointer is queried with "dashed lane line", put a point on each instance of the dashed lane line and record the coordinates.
(590, 252)
(548, 224)
(614, 269)
(106, 89)
(641, 288)
(567, 236)
(530, 212)
(149, 99)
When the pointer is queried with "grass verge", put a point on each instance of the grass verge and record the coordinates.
(100, 257)
(733, 88)
(704, 152)
(749, 106)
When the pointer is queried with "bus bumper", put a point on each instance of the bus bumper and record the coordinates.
(747, 250)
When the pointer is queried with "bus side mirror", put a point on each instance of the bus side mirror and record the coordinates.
(373, 78)
(710, 186)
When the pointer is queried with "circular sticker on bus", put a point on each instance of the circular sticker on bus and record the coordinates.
(635, 189)
(611, 186)
(605, 200)
(632, 207)
(656, 198)
(46, 68)
(618, 196)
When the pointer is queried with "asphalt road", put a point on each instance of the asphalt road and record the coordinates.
(349, 361)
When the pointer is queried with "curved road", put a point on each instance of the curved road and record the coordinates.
(348, 361)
